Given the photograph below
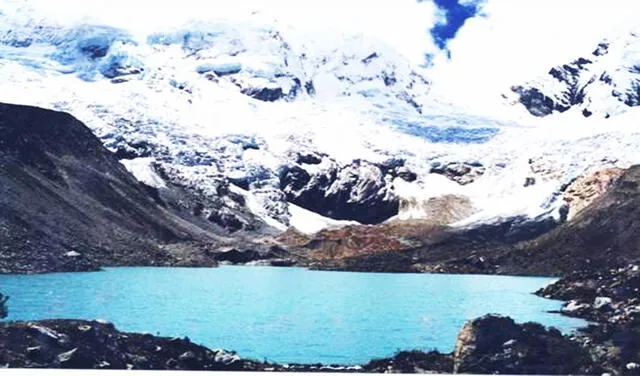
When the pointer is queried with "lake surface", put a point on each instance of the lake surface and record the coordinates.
(285, 314)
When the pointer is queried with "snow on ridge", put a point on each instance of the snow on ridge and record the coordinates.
(199, 98)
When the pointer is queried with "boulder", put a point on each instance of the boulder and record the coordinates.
(496, 344)
(265, 94)
(236, 256)
(462, 173)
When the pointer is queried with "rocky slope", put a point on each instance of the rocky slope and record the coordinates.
(604, 234)
(610, 299)
(68, 204)
(601, 232)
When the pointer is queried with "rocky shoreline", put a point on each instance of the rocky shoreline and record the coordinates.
(610, 299)
(491, 344)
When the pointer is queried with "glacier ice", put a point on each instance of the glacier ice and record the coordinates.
(196, 101)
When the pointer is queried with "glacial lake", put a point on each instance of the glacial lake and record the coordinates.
(285, 314)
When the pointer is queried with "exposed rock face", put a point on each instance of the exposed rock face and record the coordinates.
(462, 173)
(359, 191)
(543, 170)
(496, 344)
(442, 210)
(605, 234)
(344, 248)
(244, 256)
(602, 83)
(265, 94)
(422, 246)
(585, 189)
(207, 197)
(67, 204)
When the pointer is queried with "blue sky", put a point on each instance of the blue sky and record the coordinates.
(456, 14)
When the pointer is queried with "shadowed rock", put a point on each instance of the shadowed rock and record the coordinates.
(496, 344)
(67, 204)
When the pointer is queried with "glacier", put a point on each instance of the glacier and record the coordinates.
(288, 116)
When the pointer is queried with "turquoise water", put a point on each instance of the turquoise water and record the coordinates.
(284, 314)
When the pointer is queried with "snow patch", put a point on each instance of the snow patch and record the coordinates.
(309, 222)
(142, 169)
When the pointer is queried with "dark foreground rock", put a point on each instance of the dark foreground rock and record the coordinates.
(611, 299)
(412, 362)
(97, 345)
(496, 344)
(605, 296)
(490, 344)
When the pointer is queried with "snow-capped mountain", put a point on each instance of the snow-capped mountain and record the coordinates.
(603, 83)
(311, 128)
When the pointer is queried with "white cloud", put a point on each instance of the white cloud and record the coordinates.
(403, 24)
(518, 40)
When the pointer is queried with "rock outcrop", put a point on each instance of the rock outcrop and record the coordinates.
(82, 344)
(610, 298)
(359, 191)
(605, 296)
(603, 82)
(462, 173)
(495, 344)
(586, 189)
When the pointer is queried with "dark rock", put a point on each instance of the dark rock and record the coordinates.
(610, 298)
(4, 311)
(236, 256)
(64, 194)
(354, 192)
(266, 94)
(535, 101)
(603, 49)
(309, 158)
(369, 58)
(412, 362)
(282, 262)
(76, 358)
(462, 173)
(308, 86)
(407, 175)
(106, 348)
(228, 221)
(294, 178)
(496, 344)
(94, 50)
